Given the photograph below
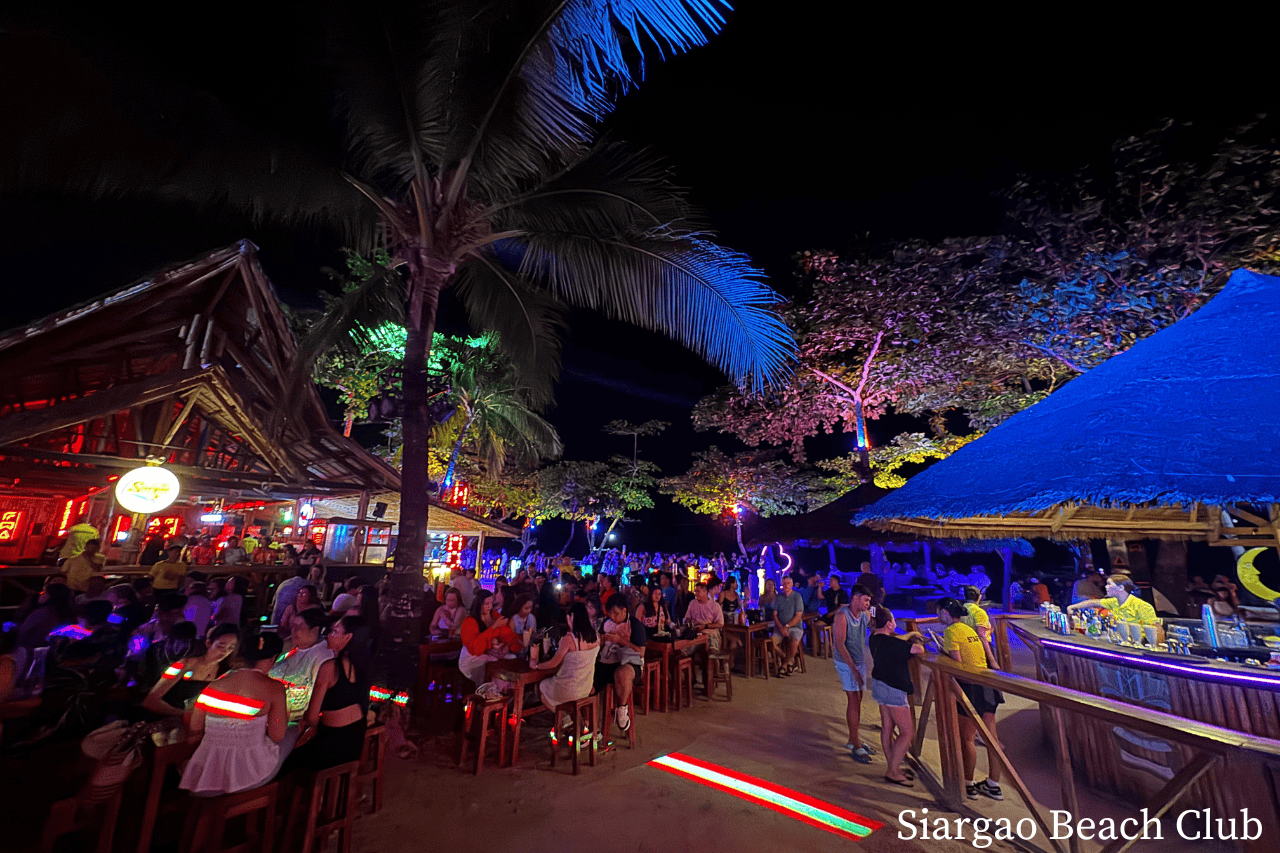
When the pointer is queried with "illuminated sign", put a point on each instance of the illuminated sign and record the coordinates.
(458, 494)
(66, 518)
(147, 490)
(453, 550)
(11, 525)
(318, 531)
(306, 513)
(120, 528)
(212, 517)
(165, 526)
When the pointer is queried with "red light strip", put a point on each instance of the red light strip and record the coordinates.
(782, 800)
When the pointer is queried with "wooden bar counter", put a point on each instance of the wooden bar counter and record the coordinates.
(1135, 765)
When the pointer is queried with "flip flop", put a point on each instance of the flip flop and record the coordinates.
(904, 783)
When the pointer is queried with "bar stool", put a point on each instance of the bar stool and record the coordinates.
(610, 703)
(683, 678)
(648, 689)
(332, 809)
(582, 712)
(207, 822)
(722, 673)
(481, 713)
(373, 761)
(160, 802)
(762, 648)
(822, 642)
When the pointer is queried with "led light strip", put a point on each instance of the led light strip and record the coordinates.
(229, 705)
(1200, 672)
(782, 800)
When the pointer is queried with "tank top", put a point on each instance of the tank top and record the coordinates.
(731, 607)
(344, 692)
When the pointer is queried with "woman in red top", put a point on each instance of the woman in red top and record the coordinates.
(486, 637)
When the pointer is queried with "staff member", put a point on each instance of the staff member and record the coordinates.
(1122, 600)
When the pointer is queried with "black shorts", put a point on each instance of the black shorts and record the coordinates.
(605, 673)
(985, 700)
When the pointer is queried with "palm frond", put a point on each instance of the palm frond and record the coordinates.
(609, 190)
(534, 75)
(528, 322)
(707, 297)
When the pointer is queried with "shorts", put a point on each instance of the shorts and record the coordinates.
(985, 700)
(796, 633)
(889, 697)
(605, 673)
(847, 680)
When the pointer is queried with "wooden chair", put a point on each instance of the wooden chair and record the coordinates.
(331, 809)
(480, 714)
(206, 830)
(84, 812)
(648, 690)
(160, 802)
(722, 673)
(683, 678)
(373, 762)
(584, 727)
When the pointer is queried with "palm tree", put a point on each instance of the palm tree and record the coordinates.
(471, 153)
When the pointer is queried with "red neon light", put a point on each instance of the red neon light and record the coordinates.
(164, 526)
(453, 549)
(229, 705)
(11, 525)
(458, 494)
(66, 518)
(318, 532)
(119, 526)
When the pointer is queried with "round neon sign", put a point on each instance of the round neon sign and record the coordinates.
(147, 490)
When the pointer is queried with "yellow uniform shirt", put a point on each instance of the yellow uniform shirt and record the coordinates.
(167, 575)
(78, 571)
(1134, 609)
(981, 622)
(960, 637)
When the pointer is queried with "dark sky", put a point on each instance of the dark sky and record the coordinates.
(801, 126)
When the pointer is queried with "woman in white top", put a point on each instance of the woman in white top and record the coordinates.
(299, 666)
(576, 658)
(227, 609)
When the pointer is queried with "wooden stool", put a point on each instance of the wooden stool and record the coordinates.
(722, 673)
(480, 711)
(332, 809)
(578, 711)
(762, 648)
(683, 677)
(85, 811)
(372, 762)
(800, 656)
(648, 689)
(158, 801)
(822, 642)
(610, 704)
(207, 821)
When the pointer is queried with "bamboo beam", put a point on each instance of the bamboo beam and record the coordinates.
(1169, 794)
(1066, 775)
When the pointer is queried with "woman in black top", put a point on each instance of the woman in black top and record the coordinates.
(336, 718)
(890, 686)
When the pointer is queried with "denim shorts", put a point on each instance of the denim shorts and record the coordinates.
(890, 697)
(847, 680)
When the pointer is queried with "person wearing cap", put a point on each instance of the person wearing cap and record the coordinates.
(169, 572)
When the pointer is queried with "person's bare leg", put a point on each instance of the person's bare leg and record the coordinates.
(994, 768)
(968, 752)
(853, 715)
(886, 736)
(897, 752)
(623, 679)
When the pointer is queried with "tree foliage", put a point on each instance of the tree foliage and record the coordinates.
(723, 485)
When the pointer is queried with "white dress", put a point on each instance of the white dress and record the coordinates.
(234, 755)
(575, 677)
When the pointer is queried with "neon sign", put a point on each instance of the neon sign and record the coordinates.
(458, 494)
(147, 489)
(453, 550)
(11, 525)
(318, 531)
(165, 526)
(120, 528)
(66, 518)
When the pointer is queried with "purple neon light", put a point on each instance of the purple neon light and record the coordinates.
(1204, 673)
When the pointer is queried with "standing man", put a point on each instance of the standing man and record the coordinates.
(233, 554)
(466, 586)
(788, 613)
(77, 536)
(834, 597)
(849, 639)
(80, 568)
(167, 575)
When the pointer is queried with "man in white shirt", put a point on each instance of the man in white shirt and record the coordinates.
(347, 599)
(287, 592)
(233, 554)
(466, 586)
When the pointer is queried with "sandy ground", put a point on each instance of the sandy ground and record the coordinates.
(789, 731)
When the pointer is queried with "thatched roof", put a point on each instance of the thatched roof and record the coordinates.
(1141, 446)
(441, 518)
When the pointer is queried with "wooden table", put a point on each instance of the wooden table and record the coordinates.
(746, 632)
(667, 650)
(517, 671)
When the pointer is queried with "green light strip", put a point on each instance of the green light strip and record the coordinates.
(759, 793)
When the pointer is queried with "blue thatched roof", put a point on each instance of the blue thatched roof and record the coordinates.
(1190, 415)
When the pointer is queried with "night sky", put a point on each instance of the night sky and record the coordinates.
(802, 126)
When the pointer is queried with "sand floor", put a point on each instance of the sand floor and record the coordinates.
(788, 731)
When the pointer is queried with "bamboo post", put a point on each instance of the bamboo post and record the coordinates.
(949, 740)
(1070, 802)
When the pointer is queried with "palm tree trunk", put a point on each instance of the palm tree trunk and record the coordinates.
(457, 448)
(404, 622)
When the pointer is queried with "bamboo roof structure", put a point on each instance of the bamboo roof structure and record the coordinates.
(188, 367)
(441, 518)
(1156, 442)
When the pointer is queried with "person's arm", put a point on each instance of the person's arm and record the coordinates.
(558, 657)
(195, 727)
(839, 632)
(324, 680)
(1084, 605)
(277, 713)
(154, 700)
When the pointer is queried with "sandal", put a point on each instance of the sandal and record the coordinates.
(904, 783)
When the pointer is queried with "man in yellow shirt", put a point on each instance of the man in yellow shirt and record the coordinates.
(81, 567)
(963, 644)
(1121, 600)
(169, 572)
(77, 536)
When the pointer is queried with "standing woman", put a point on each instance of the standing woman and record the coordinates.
(183, 681)
(335, 721)
(227, 609)
(486, 637)
(891, 686)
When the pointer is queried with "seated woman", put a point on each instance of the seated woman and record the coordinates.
(226, 610)
(521, 615)
(576, 659)
(307, 599)
(240, 720)
(653, 613)
(180, 684)
(486, 637)
(447, 621)
(333, 728)
(53, 609)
